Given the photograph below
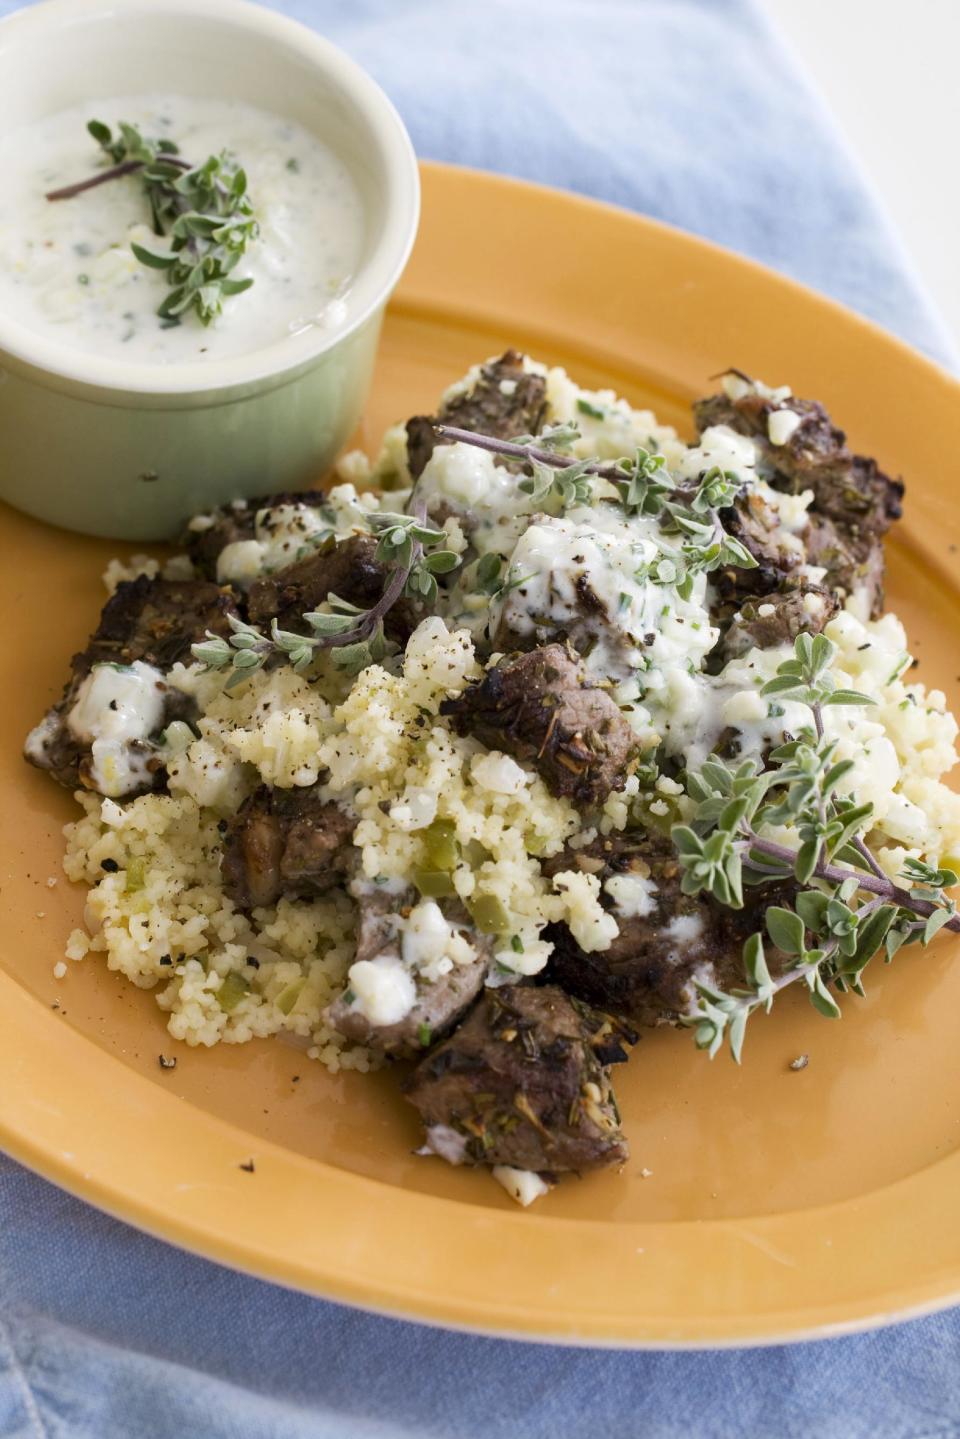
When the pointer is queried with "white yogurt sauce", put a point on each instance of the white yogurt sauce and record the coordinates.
(115, 710)
(66, 267)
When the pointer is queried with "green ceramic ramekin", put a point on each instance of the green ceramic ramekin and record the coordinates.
(129, 451)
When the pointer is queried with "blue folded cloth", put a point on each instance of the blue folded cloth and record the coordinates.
(688, 110)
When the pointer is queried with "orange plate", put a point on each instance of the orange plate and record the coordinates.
(775, 1204)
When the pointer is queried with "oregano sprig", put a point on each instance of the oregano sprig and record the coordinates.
(204, 209)
(830, 931)
(405, 541)
(356, 638)
(644, 487)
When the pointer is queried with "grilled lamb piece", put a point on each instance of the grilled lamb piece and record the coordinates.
(667, 939)
(439, 1004)
(777, 619)
(285, 842)
(846, 486)
(854, 502)
(156, 621)
(852, 560)
(506, 400)
(237, 521)
(756, 525)
(524, 1082)
(348, 569)
(541, 707)
(151, 620)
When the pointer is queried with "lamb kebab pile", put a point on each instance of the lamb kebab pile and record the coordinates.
(513, 1074)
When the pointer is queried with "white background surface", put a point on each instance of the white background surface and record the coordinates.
(890, 72)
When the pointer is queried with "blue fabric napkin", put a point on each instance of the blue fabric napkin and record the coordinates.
(688, 110)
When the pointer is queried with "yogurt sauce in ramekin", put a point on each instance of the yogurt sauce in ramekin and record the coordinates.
(66, 267)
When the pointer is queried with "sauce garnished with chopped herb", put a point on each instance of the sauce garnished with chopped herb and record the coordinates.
(68, 269)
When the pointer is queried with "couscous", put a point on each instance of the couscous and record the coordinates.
(467, 759)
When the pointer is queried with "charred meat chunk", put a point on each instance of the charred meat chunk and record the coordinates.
(778, 618)
(348, 569)
(524, 1082)
(506, 400)
(854, 502)
(206, 535)
(543, 709)
(852, 559)
(156, 621)
(285, 843)
(422, 440)
(146, 622)
(667, 939)
(439, 1003)
(846, 486)
(755, 523)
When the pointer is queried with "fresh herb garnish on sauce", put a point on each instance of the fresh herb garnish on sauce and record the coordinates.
(204, 209)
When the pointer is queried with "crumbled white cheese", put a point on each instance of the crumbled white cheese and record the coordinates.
(735, 387)
(633, 895)
(112, 814)
(283, 531)
(416, 810)
(791, 509)
(445, 1143)
(529, 960)
(498, 773)
(776, 393)
(119, 570)
(523, 1185)
(214, 779)
(905, 821)
(354, 466)
(177, 737)
(239, 563)
(383, 989)
(468, 476)
(685, 929)
(430, 944)
(782, 425)
(721, 446)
